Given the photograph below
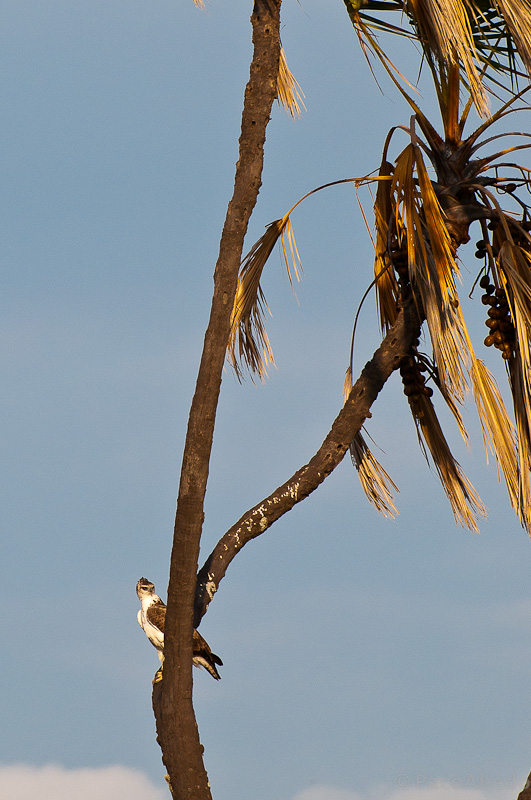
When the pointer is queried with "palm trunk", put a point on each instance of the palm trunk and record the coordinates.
(182, 752)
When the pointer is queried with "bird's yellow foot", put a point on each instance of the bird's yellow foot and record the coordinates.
(158, 676)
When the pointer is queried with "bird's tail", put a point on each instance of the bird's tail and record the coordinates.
(204, 657)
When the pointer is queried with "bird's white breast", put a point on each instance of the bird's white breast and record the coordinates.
(155, 636)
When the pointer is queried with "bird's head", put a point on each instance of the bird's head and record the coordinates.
(144, 588)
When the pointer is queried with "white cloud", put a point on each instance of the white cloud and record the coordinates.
(25, 782)
(424, 789)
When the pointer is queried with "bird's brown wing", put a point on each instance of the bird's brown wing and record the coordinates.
(205, 656)
(156, 614)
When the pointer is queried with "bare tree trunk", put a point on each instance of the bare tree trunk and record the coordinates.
(178, 736)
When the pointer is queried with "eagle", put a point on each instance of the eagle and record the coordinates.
(151, 618)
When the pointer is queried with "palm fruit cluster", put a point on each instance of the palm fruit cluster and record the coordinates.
(502, 332)
(412, 369)
(516, 228)
(413, 366)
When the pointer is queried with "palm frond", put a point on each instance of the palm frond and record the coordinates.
(290, 94)
(448, 90)
(347, 384)
(498, 431)
(375, 481)
(439, 294)
(419, 220)
(248, 334)
(292, 259)
(386, 283)
(517, 17)
(445, 33)
(248, 342)
(514, 267)
(504, 109)
(464, 500)
(521, 412)
(485, 37)
(370, 47)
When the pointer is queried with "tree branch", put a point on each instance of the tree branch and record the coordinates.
(176, 724)
(347, 424)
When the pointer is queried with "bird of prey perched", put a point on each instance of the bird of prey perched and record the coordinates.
(151, 618)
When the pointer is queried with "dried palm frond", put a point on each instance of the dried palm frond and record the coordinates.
(419, 220)
(488, 36)
(504, 110)
(370, 47)
(521, 412)
(446, 36)
(292, 260)
(290, 94)
(386, 283)
(464, 500)
(517, 17)
(442, 28)
(515, 269)
(248, 341)
(347, 384)
(498, 431)
(375, 481)
(248, 331)
(453, 408)
(494, 43)
(447, 85)
(247, 323)
(514, 265)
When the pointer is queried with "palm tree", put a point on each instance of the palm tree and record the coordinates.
(426, 200)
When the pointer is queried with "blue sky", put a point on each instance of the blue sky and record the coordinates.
(362, 656)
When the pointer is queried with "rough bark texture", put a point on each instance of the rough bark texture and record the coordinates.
(172, 700)
(348, 422)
